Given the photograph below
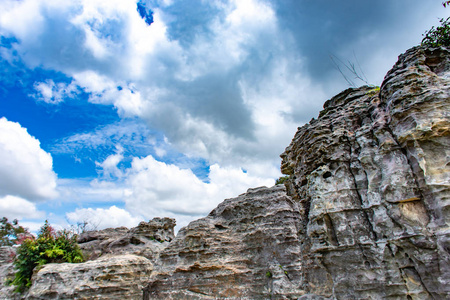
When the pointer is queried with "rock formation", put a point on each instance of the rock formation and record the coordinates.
(111, 277)
(363, 215)
(366, 210)
(120, 261)
(147, 239)
(246, 248)
(7, 255)
(372, 178)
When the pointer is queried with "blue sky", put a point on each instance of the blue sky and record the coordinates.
(117, 111)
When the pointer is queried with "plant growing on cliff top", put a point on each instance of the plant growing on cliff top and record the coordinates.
(439, 36)
(49, 247)
(373, 92)
(281, 180)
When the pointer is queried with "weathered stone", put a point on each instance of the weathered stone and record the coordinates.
(372, 176)
(147, 239)
(7, 271)
(109, 277)
(245, 248)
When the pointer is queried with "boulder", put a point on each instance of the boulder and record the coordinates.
(147, 239)
(109, 277)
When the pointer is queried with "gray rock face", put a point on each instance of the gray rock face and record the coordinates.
(109, 277)
(247, 247)
(147, 239)
(7, 255)
(371, 176)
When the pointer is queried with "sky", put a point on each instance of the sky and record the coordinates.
(114, 112)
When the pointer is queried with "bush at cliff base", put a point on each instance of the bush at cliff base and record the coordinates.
(439, 36)
(49, 247)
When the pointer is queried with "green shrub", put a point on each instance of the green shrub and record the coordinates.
(439, 36)
(49, 247)
(281, 180)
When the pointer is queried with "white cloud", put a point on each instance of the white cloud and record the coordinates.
(101, 218)
(25, 169)
(224, 81)
(96, 191)
(150, 188)
(14, 207)
(160, 189)
(52, 93)
(109, 165)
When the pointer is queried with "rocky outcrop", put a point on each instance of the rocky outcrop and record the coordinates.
(119, 264)
(109, 277)
(371, 176)
(7, 272)
(363, 215)
(366, 210)
(147, 239)
(246, 248)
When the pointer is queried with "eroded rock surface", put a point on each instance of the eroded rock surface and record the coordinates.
(247, 247)
(7, 272)
(367, 211)
(109, 277)
(371, 176)
(147, 239)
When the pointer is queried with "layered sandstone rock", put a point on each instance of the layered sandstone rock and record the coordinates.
(147, 239)
(367, 211)
(372, 178)
(109, 277)
(7, 272)
(246, 248)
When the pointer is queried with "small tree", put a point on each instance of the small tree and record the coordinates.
(281, 180)
(439, 36)
(11, 232)
(49, 247)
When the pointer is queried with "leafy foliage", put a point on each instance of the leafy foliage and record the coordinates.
(281, 180)
(11, 232)
(439, 36)
(49, 247)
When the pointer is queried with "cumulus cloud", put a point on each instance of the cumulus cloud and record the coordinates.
(183, 80)
(150, 188)
(25, 169)
(54, 93)
(14, 207)
(160, 189)
(222, 82)
(101, 218)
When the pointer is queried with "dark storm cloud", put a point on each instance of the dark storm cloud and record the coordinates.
(322, 28)
(217, 99)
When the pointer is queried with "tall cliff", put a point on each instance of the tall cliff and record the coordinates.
(372, 177)
(366, 214)
(363, 215)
